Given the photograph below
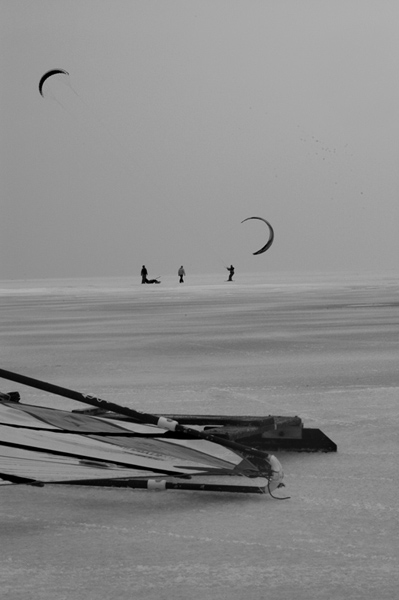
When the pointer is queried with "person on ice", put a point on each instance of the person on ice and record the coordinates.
(181, 273)
(231, 272)
(144, 274)
(144, 278)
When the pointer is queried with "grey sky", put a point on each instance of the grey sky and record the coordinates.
(181, 119)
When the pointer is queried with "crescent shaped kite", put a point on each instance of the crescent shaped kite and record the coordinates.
(49, 74)
(271, 235)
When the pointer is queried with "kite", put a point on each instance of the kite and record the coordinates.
(271, 236)
(50, 74)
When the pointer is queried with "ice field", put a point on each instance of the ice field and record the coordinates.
(323, 347)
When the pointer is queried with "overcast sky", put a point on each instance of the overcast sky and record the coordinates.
(180, 118)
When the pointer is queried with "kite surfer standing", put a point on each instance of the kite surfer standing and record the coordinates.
(181, 273)
(231, 272)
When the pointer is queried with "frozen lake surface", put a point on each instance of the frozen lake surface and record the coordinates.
(325, 348)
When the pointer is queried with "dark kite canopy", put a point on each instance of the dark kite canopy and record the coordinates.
(271, 235)
(50, 74)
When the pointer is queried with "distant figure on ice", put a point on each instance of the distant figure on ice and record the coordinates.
(181, 273)
(144, 274)
(231, 272)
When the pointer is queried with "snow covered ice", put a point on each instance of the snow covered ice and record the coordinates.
(325, 348)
